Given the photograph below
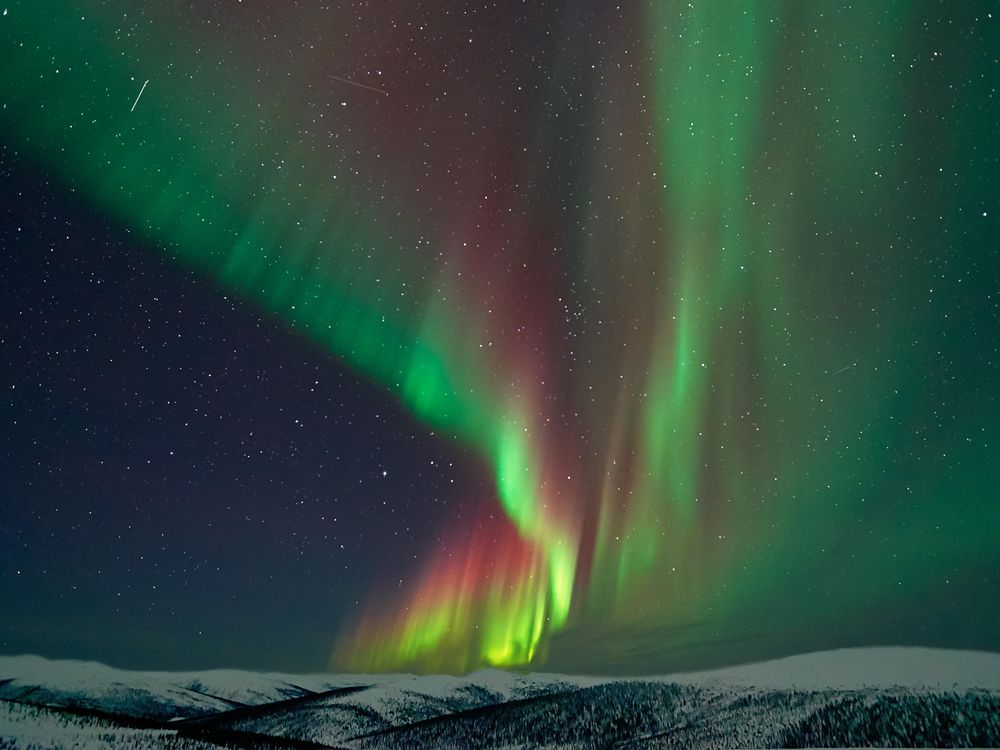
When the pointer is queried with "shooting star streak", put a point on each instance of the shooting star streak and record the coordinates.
(359, 85)
(140, 94)
(842, 369)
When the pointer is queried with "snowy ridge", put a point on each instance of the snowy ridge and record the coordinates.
(901, 697)
(90, 685)
(859, 668)
(401, 700)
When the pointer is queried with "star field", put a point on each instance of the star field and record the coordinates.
(428, 336)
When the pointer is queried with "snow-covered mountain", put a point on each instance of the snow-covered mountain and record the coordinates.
(858, 668)
(852, 697)
(338, 716)
(155, 695)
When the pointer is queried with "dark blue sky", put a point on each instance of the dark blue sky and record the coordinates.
(186, 481)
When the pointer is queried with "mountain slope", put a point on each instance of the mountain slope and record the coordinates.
(340, 715)
(905, 697)
(156, 695)
(857, 668)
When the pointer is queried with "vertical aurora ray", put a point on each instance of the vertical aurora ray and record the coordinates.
(628, 304)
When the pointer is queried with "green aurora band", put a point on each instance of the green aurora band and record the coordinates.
(696, 373)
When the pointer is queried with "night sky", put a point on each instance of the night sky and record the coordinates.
(575, 336)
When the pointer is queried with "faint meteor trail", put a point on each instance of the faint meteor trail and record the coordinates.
(842, 369)
(140, 94)
(359, 85)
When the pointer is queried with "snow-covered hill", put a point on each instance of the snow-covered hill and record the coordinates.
(158, 695)
(38, 728)
(873, 696)
(338, 716)
(857, 668)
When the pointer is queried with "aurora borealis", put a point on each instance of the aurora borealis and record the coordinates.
(706, 291)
